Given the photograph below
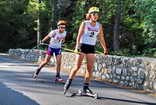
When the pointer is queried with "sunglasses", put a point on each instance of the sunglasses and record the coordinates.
(62, 26)
(95, 14)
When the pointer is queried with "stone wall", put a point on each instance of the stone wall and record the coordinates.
(139, 72)
(26, 54)
(32, 55)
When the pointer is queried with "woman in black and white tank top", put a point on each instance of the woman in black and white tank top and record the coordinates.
(88, 33)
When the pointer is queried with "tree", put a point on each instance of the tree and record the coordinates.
(146, 11)
(117, 25)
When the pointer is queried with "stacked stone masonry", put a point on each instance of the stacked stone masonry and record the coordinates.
(138, 72)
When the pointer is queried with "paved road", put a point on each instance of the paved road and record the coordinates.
(18, 88)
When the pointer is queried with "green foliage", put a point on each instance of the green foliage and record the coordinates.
(146, 11)
(17, 23)
(33, 8)
(79, 14)
(123, 52)
(150, 52)
(137, 32)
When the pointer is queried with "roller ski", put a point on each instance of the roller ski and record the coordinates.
(66, 88)
(71, 92)
(34, 76)
(87, 93)
(59, 80)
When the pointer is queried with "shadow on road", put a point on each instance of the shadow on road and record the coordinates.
(128, 101)
(9, 96)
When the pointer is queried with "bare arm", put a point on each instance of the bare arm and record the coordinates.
(80, 33)
(102, 40)
(45, 38)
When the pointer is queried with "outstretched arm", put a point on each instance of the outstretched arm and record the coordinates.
(45, 38)
(51, 34)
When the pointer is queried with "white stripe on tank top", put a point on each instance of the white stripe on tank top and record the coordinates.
(54, 41)
(90, 33)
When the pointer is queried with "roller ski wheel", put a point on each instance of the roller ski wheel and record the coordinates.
(34, 76)
(59, 80)
(72, 93)
(87, 93)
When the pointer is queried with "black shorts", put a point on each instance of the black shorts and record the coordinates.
(85, 48)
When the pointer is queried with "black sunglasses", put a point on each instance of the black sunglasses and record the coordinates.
(62, 27)
(95, 13)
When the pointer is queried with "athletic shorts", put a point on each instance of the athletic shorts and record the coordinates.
(56, 51)
(85, 48)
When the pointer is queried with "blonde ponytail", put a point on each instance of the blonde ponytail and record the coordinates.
(87, 16)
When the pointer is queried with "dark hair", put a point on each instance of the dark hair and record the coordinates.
(61, 22)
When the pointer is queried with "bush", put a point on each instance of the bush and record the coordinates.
(151, 52)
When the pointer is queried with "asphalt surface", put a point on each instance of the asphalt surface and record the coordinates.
(18, 88)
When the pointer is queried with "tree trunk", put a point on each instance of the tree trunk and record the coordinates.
(53, 7)
(116, 31)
